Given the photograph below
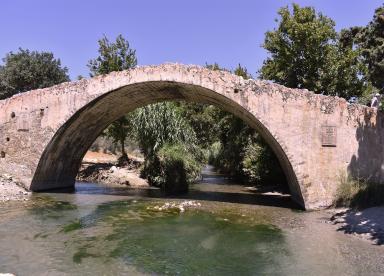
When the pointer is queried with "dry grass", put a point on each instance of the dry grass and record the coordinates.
(358, 193)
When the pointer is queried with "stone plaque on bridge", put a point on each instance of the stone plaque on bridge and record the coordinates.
(328, 136)
(22, 123)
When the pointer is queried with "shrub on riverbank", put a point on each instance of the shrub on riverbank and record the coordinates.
(247, 157)
(260, 165)
(358, 193)
(173, 168)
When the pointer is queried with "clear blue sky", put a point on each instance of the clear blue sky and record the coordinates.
(189, 32)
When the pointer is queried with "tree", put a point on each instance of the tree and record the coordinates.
(169, 145)
(117, 56)
(370, 40)
(160, 124)
(119, 131)
(215, 67)
(346, 72)
(27, 70)
(242, 72)
(306, 52)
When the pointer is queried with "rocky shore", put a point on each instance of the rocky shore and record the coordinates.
(107, 173)
(103, 168)
(11, 190)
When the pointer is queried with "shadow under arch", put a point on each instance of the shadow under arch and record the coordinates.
(61, 159)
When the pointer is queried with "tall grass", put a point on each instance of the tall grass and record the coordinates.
(358, 193)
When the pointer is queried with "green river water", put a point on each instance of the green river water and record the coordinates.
(106, 230)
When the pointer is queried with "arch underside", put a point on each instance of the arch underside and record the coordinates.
(61, 159)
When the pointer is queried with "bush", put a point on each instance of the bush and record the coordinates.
(358, 193)
(227, 157)
(213, 153)
(260, 165)
(173, 168)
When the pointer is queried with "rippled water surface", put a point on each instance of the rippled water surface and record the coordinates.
(100, 230)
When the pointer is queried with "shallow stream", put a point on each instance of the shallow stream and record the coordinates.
(104, 230)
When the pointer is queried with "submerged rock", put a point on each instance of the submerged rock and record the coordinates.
(180, 206)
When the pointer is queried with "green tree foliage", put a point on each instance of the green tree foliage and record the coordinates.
(165, 137)
(370, 40)
(234, 136)
(243, 154)
(346, 73)
(235, 148)
(231, 135)
(119, 131)
(306, 52)
(260, 165)
(159, 124)
(26, 70)
(203, 119)
(242, 72)
(215, 66)
(178, 167)
(115, 56)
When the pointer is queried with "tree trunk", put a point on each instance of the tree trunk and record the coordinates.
(123, 160)
(122, 146)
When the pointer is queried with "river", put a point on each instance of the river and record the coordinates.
(115, 230)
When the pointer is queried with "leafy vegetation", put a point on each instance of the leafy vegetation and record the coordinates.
(115, 56)
(27, 70)
(178, 168)
(369, 40)
(358, 193)
(159, 124)
(169, 145)
(260, 165)
(306, 52)
(119, 131)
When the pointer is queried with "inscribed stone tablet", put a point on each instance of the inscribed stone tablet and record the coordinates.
(328, 136)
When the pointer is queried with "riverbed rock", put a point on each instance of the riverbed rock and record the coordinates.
(12, 190)
(107, 173)
(178, 206)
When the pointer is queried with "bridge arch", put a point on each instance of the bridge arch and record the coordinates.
(44, 133)
(61, 159)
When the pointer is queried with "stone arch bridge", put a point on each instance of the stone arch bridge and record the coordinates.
(45, 133)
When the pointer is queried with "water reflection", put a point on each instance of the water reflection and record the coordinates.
(102, 230)
(212, 187)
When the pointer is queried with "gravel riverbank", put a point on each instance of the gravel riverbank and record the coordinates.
(103, 168)
(111, 174)
(11, 190)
